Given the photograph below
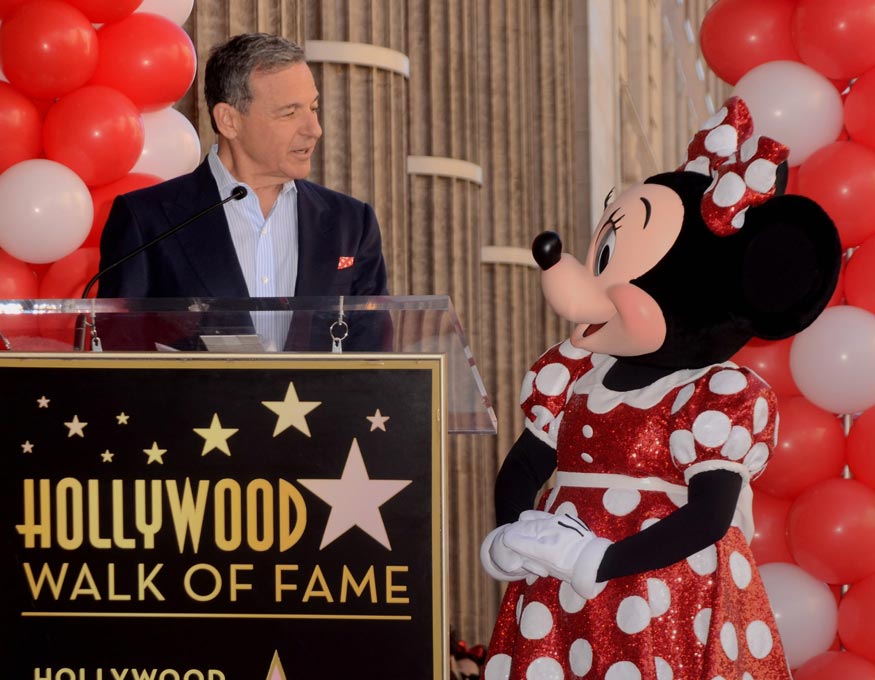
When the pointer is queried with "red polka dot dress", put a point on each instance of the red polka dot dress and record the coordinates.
(624, 462)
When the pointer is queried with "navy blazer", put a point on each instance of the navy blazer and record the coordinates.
(200, 260)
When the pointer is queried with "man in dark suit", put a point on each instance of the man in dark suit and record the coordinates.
(286, 237)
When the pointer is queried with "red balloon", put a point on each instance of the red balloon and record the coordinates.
(106, 11)
(856, 622)
(103, 196)
(792, 180)
(47, 48)
(811, 448)
(17, 282)
(837, 37)
(20, 127)
(860, 449)
(95, 131)
(860, 276)
(769, 543)
(841, 178)
(770, 359)
(66, 278)
(831, 528)
(147, 57)
(836, 666)
(737, 35)
(838, 295)
(6, 6)
(860, 110)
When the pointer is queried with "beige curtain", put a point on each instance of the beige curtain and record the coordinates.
(471, 149)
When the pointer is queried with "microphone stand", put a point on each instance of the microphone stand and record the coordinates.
(82, 321)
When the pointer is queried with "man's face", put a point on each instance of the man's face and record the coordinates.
(276, 136)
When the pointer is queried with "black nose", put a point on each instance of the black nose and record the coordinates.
(547, 248)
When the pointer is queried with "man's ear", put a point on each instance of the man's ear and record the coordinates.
(227, 119)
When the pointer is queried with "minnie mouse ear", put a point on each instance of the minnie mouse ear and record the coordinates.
(790, 265)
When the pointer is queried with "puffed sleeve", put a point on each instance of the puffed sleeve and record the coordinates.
(726, 419)
(547, 387)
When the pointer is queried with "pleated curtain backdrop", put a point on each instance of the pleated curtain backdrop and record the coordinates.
(456, 120)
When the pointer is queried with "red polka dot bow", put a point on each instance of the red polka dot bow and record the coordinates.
(743, 167)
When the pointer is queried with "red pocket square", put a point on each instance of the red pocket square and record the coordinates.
(345, 262)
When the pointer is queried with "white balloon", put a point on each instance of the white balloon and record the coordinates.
(171, 146)
(47, 211)
(833, 360)
(793, 104)
(175, 10)
(805, 611)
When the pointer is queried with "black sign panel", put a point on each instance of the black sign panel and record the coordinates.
(234, 518)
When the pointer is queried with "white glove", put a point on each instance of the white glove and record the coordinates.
(562, 545)
(502, 563)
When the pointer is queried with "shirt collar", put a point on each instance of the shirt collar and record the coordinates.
(225, 180)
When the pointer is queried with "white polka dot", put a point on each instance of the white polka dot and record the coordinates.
(621, 502)
(729, 190)
(586, 458)
(704, 562)
(498, 668)
(711, 428)
(759, 639)
(536, 622)
(633, 615)
(649, 522)
(682, 446)
(528, 386)
(569, 600)
(623, 670)
(566, 508)
(663, 670)
(746, 676)
(701, 623)
(569, 351)
(756, 459)
(701, 165)
(580, 657)
(760, 175)
(737, 444)
(519, 609)
(715, 120)
(738, 219)
(587, 431)
(544, 668)
(678, 498)
(777, 423)
(727, 382)
(682, 398)
(552, 379)
(760, 414)
(543, 416)
(729, 641)
(722, 140)
(749, 148)
(553, 430)
(740, 569)
(659, 596)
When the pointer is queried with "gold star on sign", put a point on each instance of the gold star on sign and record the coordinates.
(27, 447)
(378, 421)
(155, 454)
(76, 427)
(215, 436)
(291, 411)
(43, 402)
(122, 418)
(106, 456)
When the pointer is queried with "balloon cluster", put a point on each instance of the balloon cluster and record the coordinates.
(86, 91)
(806, 69)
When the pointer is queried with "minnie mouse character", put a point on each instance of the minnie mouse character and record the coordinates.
(636, 566)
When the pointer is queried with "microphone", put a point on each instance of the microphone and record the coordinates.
(236, 194)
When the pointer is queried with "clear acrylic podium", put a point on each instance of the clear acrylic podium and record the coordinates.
(250, 512)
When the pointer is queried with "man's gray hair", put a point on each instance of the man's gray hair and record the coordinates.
(230, 64)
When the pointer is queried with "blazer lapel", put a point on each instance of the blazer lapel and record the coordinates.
(206, 243)
(317, 259)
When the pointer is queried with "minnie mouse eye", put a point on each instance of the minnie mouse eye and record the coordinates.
(605, 249)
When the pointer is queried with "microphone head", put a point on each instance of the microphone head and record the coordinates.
(238, 192)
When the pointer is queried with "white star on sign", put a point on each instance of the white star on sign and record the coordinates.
(106, 456)
(215, 436)
(378, 421)
(75, 427)
(155, 454)
(43, 402)
(291, 411)
(122, 418)
(27, 447)
(355, 499)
